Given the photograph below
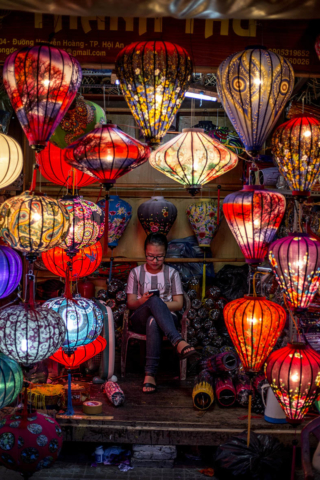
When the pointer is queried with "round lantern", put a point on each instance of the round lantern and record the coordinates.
(193, 159)
(293, 373)
(120, 213)
(84, 263)
(83, 319)
(30, 335)
(254, 325)
(254, 215)
(80, 119)
(41, 82)
(203, 217)
(295, 261)
(32, 223)
(228, 138)
(29, 442)
(157, 215)
(296, 148)
(54, 168)
(10, 270)
(254, 86)
(11, 160)
(86, 223)
(154, 77)
(11, 380)
(81, 354)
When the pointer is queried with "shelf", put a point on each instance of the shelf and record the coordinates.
(177, 260)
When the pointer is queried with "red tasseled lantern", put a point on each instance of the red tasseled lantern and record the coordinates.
(81, 354)
(293, 373)
(254, 325)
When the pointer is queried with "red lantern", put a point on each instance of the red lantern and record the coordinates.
(254, 325)
(54, 168)
(254, 215)
(293, 373)
(81, 354)
(85, 262)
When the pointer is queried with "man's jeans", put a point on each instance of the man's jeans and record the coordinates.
(154, 319)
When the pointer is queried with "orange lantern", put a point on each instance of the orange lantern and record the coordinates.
(254, 325)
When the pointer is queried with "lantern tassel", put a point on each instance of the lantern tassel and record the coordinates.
(106, 228)
(70, 410)
(34, 178)
(249, 413)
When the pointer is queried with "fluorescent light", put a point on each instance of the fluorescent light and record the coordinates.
(200, 96)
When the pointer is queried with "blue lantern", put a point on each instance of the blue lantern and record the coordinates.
(11, 380)
(120, 213)
(10, 270)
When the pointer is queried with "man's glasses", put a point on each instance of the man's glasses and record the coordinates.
(158, 257)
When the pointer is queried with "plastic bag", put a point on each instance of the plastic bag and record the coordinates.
(232, 281)
(262, 460)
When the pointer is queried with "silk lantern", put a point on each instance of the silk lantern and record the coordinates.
(193, 159)
(11, 380)
(157, 215)
(228, 138)
(10, 270)
(81, 354)
(254, 325)
(254, 215)
(295, 261)
(154, 77)
(254, 86)
(296, 148)
(120, 213)
(83, 264)
(33, 223)
(203, 217)
(293, 373)
(11, 160)
(41, 82)
(54, 168)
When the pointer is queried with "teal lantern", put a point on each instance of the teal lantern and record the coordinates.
(11, 380)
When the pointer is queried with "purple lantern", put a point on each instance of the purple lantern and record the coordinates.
(10, 270)
(295, 261)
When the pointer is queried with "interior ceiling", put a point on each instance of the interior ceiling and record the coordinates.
(210, 9)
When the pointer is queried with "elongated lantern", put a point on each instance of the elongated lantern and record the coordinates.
(81, 354)
(296, 148)
(254, 215)
(293, 373)
(120, 213)
(154, 77)
(254, 86)
(295, 261)
(193, 159)
(254, 325)
(41, 82)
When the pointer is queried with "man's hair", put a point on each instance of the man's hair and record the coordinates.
(156, 239)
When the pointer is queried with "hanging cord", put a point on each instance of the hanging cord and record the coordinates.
(111, 264)
(106, 228)
(293, 464)
(291, 315)
(249, 413)
(254, 281)
(34, 178)
(98, 198)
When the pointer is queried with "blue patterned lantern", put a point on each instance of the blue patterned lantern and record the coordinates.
(120, 213)
(254, 86)
(11, 380)
(10, 270)
(83, 319)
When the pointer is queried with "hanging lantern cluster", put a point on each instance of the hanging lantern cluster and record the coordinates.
(120, 213)
(254, 215)
(81, 354)
(11, 160)
(154, 77)
(296, 148)
(204, 218)
(254, 86)
(193, 159)
(41, 82)
(157, 215)
(254, 325)
(10, 270)
(11, 380)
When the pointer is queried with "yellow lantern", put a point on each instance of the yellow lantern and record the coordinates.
(11, 160)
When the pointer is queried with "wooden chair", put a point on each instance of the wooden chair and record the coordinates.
(128, 334)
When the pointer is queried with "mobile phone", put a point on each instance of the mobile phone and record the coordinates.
(155, 292)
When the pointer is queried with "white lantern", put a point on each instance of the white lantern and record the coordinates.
(11, 160)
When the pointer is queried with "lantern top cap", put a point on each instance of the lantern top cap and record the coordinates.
(300, 234)
(251, 188)
(255, 298)
(255, 47)
(299, 345)
(199, 130)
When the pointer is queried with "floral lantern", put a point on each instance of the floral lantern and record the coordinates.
(11, 160)
(193, 159)
(204, 217)
(154, 77)
(30, 334)
(54, 168)
(41, 82)
(254, 86)
(11, 380)
(86, 223)
(120, 213)
(254, 215)
(254, 325)
(82, 317)
(228, 138)
(295, 261)
(81, 354)
(10, 270)
(80, 119)
(33, 223)
(293, 373)
(157, 215)
(84, 263)
(296, 148)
